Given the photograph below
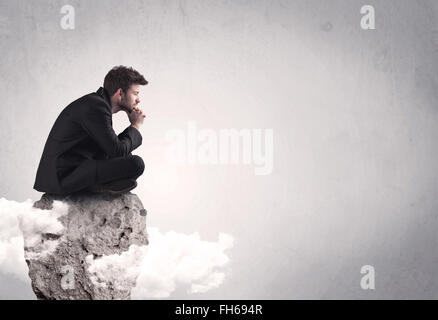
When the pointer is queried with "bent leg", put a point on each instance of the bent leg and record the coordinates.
(130, 167)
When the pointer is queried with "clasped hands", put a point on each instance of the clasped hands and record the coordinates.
(136, 117)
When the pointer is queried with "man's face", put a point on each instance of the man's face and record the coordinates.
(130, 98)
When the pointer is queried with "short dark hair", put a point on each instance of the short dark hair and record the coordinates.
(122, 77)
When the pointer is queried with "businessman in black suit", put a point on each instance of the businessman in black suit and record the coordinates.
(82, 151)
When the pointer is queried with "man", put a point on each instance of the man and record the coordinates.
(82, 151)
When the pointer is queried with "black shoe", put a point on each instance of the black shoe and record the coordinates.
(114, 187)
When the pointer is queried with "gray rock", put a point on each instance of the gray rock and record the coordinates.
(95, 226)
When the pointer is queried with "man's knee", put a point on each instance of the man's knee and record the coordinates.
(138, 164)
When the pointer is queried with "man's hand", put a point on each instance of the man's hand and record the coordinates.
(136, 117)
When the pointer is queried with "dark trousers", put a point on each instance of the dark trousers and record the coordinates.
(130, 167)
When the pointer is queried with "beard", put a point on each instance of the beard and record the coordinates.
(126, 109)
(126, 106)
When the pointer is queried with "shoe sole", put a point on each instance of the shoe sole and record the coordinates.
(123, 190)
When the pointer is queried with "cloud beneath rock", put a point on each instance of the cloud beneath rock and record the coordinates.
(170, 260)
(22, 225)
(175, 258)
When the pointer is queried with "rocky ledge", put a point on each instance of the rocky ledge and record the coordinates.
(62, 263)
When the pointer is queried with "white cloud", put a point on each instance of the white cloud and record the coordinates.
(171, 259)
(21, 225)
(121, 270)
(174, 258)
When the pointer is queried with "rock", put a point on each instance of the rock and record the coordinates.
(93, 227)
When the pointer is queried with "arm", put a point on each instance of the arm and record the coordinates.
(133, 132)
(97, 122)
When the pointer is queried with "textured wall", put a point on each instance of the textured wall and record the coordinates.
(353, 111)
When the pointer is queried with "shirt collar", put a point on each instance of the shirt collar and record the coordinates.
(104, 94)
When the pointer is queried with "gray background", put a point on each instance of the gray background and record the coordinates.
(354, 116)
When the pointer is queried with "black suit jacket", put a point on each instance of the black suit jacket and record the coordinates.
(82, 134)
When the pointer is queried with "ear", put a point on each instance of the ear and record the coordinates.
(118, 93)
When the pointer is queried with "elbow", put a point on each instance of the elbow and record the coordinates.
(118, 151)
